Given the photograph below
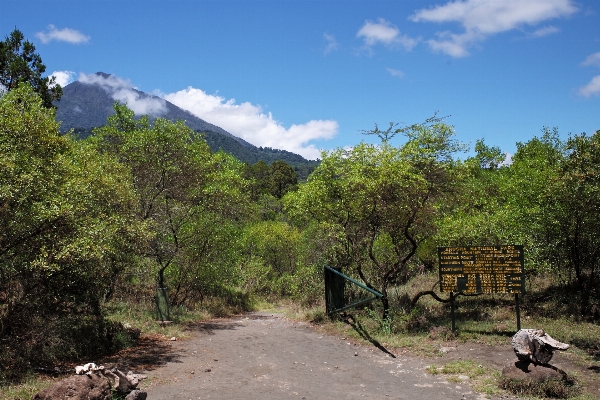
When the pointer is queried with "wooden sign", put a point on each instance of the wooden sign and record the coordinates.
(482, 269)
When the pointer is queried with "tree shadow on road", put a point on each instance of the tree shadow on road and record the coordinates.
(213, 326)
(356, 325)
(154, 351)
(149, 353)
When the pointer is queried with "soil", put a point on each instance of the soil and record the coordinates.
(267, 356)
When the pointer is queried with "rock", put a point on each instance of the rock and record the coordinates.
(136, 395)
(447, 349)
(88, 368)
(92, 386)
(121, 382)
(439, 332)
(535, 345)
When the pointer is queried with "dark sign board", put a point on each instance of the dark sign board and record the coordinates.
(481, 269)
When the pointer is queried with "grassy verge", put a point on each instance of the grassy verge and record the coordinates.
(26, 389)
(482, 379)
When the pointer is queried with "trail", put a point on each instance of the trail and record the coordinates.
(266, 356)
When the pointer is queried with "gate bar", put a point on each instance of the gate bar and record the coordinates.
(375, 292)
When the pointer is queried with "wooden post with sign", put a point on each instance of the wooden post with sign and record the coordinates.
(482, 269)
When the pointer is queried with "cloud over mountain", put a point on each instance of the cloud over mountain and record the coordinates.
(122, 91)
(63, 78)
(249, 122)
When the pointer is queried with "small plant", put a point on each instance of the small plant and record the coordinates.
(433, 369)
(116, 395)
(482, 379)
(385, 324)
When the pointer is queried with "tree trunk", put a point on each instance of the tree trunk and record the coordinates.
(385, 302)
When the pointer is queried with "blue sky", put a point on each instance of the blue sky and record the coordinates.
(311, 75)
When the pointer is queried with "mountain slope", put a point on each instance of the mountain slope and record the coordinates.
(85, 106)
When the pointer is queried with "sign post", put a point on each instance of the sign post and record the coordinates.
(482, 269)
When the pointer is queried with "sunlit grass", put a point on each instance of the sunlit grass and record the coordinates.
(25, 390)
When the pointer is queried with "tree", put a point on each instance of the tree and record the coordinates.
(275, 180)
(66, 229)
(379, 202)
(259, 176)
(572, 203)
(283, 179)
(489, 157)
(275, 243)
(20, 63)
(186, 195)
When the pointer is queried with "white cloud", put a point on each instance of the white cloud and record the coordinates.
(592, 59)
(122, 91)
(250, 123)
(592, 88)
(508, 160)
(385, 33)
(545, 31)
(62, 35)
(332, 44)
(454, 45)
(482, 18)
(63, 78)
(395, 72)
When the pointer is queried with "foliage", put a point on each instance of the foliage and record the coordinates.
(252, 155)
(572, 206)
(189, 197)
(19, 63)
(67, 229)
(273, 242)
(546, 200)
(379, 202)
(274, 180)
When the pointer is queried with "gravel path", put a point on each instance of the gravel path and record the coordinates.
(266, 356)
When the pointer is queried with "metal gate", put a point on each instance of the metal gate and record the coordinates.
(335, 283)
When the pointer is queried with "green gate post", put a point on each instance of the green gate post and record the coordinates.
(162, 304)
(452, 311)
(518, 312)
(334, 290)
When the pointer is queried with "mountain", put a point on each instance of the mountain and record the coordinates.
(87, 104)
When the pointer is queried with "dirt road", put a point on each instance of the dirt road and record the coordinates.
(266, 356)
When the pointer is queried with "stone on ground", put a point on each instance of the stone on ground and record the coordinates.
(78, 387)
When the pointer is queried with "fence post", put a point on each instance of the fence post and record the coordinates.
(162, 304)
(334, 290)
